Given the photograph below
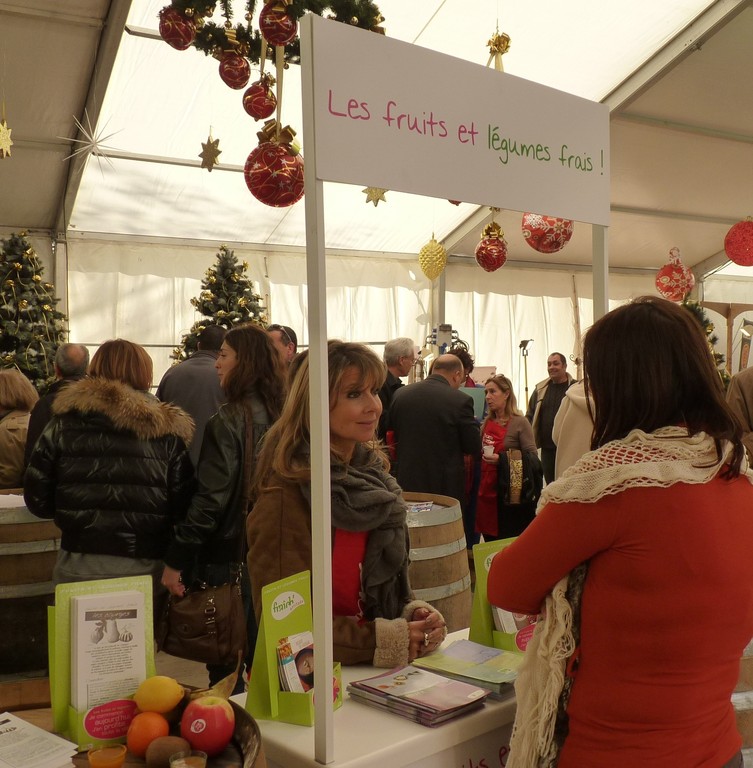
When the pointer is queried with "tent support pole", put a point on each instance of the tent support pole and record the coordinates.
(600, 271)
(321, 502)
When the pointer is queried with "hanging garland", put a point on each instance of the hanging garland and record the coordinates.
(213, 39)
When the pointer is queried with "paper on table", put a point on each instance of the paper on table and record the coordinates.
(23, 745)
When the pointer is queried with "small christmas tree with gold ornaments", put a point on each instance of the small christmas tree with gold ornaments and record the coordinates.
(227, 298)
(31, 329)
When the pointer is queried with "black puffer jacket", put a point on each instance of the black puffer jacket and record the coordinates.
(216, 519)
(112, 469)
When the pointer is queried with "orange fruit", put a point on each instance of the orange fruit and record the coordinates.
(158, 693)
(143, 730)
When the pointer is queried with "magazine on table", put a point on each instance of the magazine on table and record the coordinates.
(295, 659)
(490, 668)
(418, 694)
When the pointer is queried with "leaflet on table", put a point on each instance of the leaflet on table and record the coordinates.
(23, 745)
(417, 507)
(490, 668)
(108, 655)
(101, 645)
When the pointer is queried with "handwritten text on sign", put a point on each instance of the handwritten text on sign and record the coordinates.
(405, 118)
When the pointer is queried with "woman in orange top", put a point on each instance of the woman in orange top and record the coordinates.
(641, 556)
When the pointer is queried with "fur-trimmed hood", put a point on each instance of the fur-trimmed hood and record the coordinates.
(127, 408)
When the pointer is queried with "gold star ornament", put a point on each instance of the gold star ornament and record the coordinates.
(374, 195)
(210, 151)
(5, 140)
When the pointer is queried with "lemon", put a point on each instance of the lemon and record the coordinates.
(158, 694)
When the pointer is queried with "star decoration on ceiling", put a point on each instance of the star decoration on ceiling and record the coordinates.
(5, 140)
(375, 195)
(93, 142)
(210, 151)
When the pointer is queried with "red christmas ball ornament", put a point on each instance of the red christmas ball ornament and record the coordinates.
(274, 174)
(176, 29)
(259, 100)
(546, 234)
(674, 281)
(276, 25)
(491, 252)
(738, 243)
(234, 70)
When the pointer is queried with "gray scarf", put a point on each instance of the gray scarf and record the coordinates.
(366, 498)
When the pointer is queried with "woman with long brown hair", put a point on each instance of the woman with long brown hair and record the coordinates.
(640, 555)
(511, 476)
(375, 619)
(208, 544)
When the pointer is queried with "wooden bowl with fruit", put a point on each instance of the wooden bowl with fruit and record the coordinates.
(172, 718)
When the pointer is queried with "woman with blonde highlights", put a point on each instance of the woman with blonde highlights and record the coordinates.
(375, 618)
(640, 557)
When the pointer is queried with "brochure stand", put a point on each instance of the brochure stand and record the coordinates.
(519, 629)
(285, 613)
(103, 630)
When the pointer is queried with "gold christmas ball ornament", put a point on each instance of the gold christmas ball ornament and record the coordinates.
(47, 308)
(37, 279)
(23, 304)
(432, 258)
(17, 266)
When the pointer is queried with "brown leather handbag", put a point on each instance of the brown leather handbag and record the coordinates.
(207, 624)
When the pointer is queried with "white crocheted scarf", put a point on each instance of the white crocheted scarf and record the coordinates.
(641, 460)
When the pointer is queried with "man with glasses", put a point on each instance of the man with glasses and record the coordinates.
(399, 357)
(285, 340)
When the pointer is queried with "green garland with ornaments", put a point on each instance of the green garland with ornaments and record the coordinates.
(212, 38)
(699, 313)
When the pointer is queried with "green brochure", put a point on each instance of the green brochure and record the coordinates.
(490, 625)
(101, 647)
(281, 682)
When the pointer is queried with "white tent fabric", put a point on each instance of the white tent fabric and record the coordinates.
(149, 289)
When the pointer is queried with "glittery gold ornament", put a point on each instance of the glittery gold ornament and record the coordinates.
(5, 140)
(211, 279)
(210, 151)
(432, 258)
(375, 195)
(242, 301)
(46, 307)
(18, 267)
(23, 304)
(37, 279)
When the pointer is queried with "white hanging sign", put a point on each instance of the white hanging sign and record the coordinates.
(409, 119)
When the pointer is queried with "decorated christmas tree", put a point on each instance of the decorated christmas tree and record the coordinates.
(227, 298)
(699, 313)
(31, 329)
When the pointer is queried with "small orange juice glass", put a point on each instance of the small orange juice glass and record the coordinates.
(111, 756)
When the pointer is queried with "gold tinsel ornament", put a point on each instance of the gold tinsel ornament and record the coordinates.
(432, 258)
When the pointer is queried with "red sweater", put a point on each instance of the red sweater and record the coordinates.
(667, 610)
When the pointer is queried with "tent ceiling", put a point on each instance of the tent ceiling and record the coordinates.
(673, 74)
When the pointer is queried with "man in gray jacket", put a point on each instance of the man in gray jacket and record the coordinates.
(194, 385)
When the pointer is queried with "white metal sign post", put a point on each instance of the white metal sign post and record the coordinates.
(387, 119)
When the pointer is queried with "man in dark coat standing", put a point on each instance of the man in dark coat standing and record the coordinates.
(434, 427)
(194, 385)
(71, 361)
(399, 357)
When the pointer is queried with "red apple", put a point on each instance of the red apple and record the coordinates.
(208, 724)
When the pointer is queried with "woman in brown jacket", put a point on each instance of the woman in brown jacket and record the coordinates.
(376, 621)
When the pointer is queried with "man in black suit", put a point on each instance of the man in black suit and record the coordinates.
(434, 427)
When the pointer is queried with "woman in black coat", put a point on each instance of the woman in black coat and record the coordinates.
(112, 470)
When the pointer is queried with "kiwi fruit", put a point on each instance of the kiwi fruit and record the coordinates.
(159, 751)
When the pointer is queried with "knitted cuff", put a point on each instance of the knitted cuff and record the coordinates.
(392, 641)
